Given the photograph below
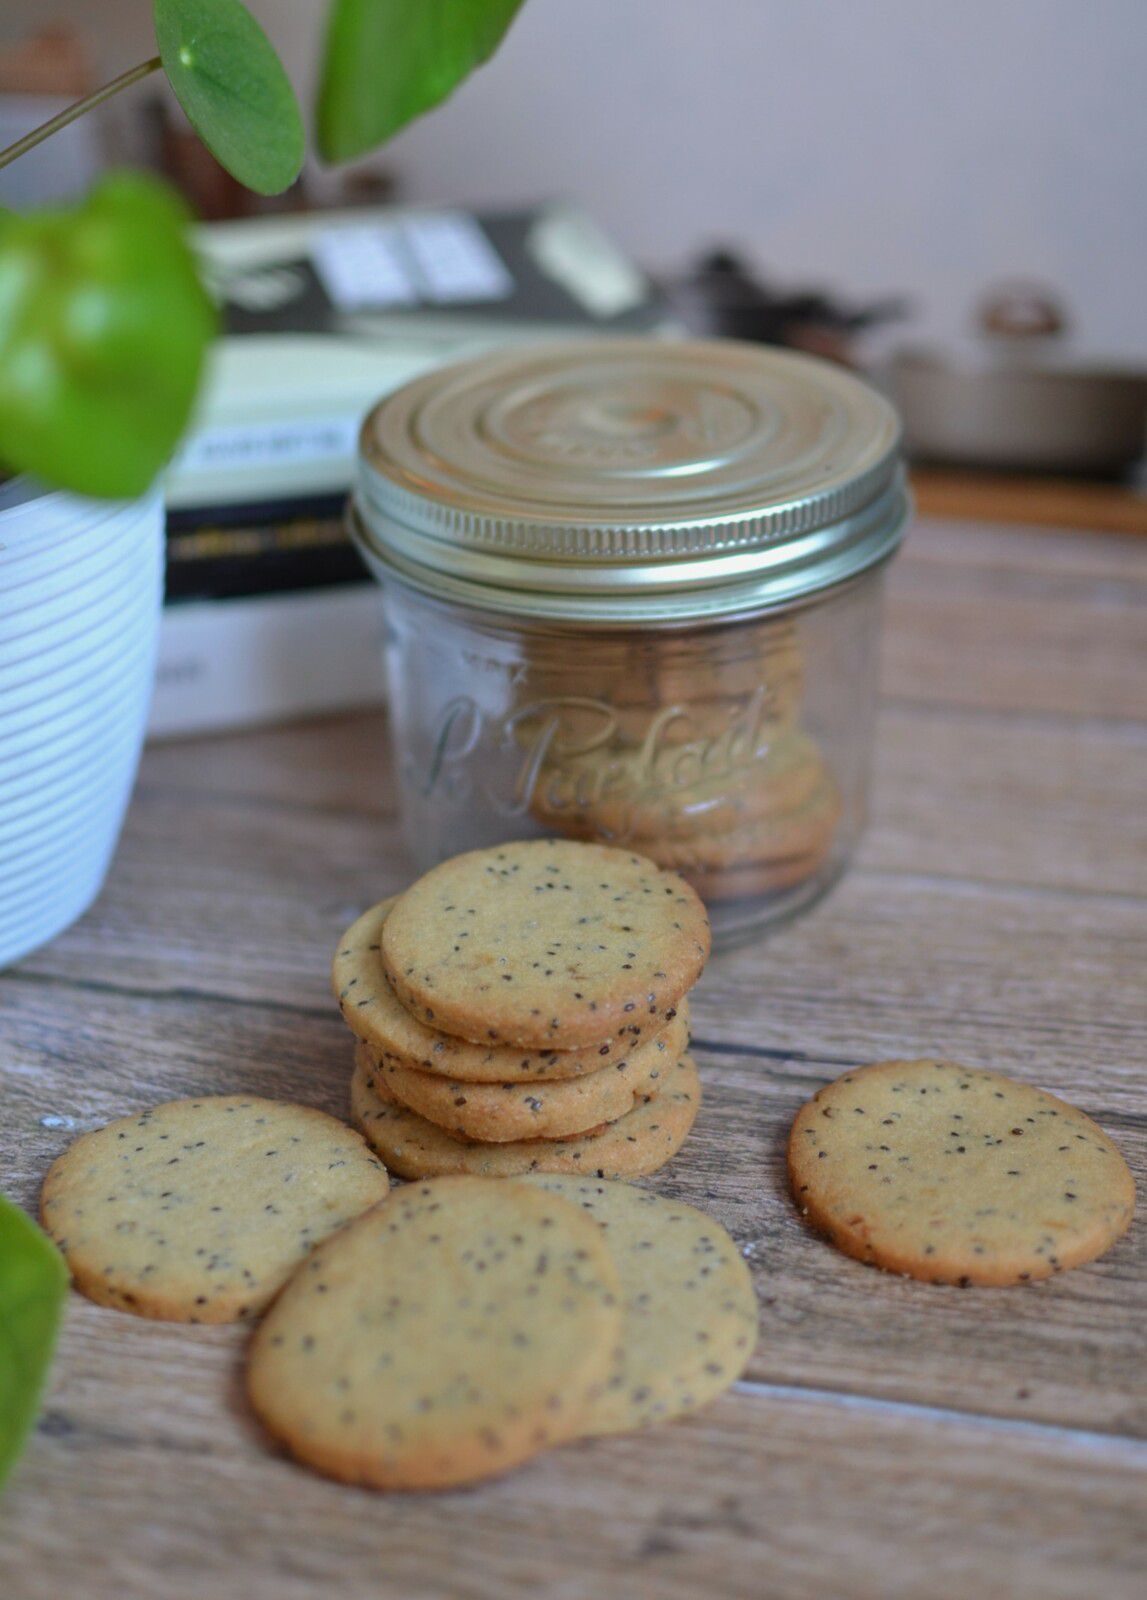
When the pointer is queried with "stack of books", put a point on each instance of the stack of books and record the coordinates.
(269, 613)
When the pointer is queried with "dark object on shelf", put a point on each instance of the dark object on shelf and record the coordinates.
(721, 296)
(1014, 401)
(176, 150)
(268, 547)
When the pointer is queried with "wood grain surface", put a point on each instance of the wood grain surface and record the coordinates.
(1016, 497)
(890, 1438)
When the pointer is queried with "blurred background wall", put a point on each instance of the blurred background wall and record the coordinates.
(870, 145)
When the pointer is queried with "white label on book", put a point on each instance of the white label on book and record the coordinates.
(361, 265)
(456, 260)
(428, 258)
(269, 444)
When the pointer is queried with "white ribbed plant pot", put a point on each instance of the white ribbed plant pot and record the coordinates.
(81, 585)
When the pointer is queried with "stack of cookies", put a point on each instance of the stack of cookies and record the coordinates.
(522, 1009)
(698, 758)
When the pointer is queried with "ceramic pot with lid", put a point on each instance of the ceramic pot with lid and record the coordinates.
(1016, 400)
(632, 592)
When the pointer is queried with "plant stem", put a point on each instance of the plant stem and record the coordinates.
(88, 103)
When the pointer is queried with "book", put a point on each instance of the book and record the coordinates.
(268, 607)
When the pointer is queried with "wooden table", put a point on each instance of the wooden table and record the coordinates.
(1086, 504)
(891, 1438)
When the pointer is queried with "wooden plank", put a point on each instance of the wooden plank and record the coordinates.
(1047, 986)
(1034, 652)
(329, 764)
(955, 794)
(166, 1491)
(1061, 807)
(1066, 1352)
(1029, 621)
(216, 898)
(1006, 497)
(229, 898)
(1045, 552)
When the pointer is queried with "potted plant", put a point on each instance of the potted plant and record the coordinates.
(104, 326)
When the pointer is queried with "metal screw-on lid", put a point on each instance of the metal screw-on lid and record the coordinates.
(630, 481)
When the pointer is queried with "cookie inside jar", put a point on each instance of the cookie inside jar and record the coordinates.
(691, 748)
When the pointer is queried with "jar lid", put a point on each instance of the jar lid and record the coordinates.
(632, 481)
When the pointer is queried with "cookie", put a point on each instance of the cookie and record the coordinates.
(450, 1334)
(502, 1111)
(787, 836)
(373, 1012)
(752, 878)
(636, 1144)
(626, 715)
(545, 942)
(199, 1210)
(695, 719)
(725, 664)
(689, 1314)
(957, 1176)
(676, 792)
(691, 685)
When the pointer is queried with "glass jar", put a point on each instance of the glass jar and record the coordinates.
(632, 593)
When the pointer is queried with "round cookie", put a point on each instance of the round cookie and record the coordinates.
(689, 1314)
(678, 792)
(199, 1210)
(704, 668)
(502, 1111)
(449, 1335)
(957, 1176)
(690, 719)
(750, 878)
(545, 942)
(691, 686)
(789, 835)
(572, 727)
(636, 1144)
(374, 1013)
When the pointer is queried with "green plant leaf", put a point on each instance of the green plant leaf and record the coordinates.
(232, 85)
(33, 1283)
(388, 61)
(104, 326)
